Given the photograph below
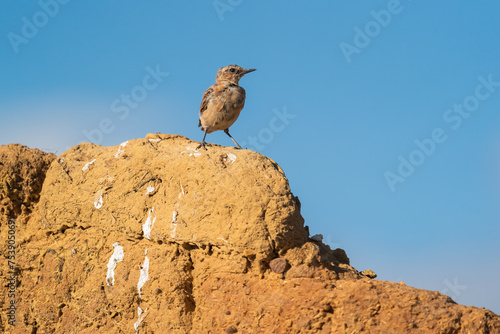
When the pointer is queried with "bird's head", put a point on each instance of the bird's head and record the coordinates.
(231, 73)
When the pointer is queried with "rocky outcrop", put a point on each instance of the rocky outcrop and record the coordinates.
(153, 236)
(22, 172)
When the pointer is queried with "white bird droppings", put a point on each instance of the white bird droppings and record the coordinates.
(231, 157)
(98, 199)
(192, 152)
(87, 165)
(149, 190)
(174, 224)
(143, 277)
(116, 257)
(142, 315)
(121, 149)
(148, 224)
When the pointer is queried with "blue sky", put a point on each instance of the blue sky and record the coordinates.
(384, 115)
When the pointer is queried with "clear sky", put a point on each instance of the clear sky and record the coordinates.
(384, 115)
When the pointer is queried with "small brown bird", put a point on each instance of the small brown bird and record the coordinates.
(222, 102)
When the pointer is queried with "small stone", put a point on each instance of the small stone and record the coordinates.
(317, 237)
(369, 273)
(231, 330)
(278, 265)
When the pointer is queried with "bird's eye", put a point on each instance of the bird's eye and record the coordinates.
(232, 70)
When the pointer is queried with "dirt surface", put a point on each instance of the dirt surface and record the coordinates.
(152, 236)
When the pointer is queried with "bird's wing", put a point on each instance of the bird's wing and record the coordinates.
(209, 93)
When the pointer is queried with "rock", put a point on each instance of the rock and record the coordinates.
(278, 265)
(154, 236)
(317, 237)
(22, 172)
(231, 330)
(223, 197)
(343, 306)
(369, 273)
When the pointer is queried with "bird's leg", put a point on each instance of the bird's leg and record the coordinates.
(227, 132)
(203, 142)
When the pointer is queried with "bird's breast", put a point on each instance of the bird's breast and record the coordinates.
(223, 108)
(232, 96)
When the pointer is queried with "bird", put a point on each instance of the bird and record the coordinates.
(222, 102)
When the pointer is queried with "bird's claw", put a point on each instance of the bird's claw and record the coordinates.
(201, 145)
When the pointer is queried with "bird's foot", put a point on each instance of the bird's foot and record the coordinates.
(201, 145)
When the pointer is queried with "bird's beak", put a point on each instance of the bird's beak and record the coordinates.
(248, 71)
